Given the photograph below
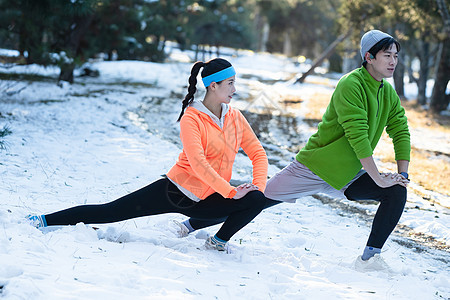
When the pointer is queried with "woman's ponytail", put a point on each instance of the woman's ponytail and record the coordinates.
(192, 87)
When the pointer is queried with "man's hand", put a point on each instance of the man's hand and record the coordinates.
(385, 180)
(390, 179)
(243, 189)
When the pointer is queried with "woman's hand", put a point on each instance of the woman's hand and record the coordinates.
(243, 189)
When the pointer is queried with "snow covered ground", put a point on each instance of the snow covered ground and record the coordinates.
(101, 138)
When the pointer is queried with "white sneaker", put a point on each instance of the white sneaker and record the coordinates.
(36, 221)
(182, 230)
(375, 263)
(211, 244)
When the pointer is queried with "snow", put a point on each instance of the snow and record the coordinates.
(89, 143)
(7, 52)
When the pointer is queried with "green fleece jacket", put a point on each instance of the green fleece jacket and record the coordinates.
(359, 110)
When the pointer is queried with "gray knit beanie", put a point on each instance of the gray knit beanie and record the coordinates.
(370, 38)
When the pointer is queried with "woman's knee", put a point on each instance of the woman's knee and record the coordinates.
(255, 199)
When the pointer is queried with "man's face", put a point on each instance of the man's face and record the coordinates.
(384, 63)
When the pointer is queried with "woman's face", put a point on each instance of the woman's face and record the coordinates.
(224, 90)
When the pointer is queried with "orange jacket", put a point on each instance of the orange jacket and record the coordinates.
(205, 165)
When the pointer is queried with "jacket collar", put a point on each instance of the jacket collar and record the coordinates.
(371, 82)
(202, 108)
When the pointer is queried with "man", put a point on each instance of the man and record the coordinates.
(361, 107)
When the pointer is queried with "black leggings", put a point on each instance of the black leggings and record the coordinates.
(202, 223)
(392, 201)
(160, 197)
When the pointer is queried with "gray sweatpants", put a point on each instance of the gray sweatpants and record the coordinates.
(296, 181)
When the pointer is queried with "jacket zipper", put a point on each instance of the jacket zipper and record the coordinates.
(378, 101)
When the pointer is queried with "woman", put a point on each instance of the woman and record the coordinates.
(198, 184)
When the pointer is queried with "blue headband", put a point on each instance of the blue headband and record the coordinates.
(219, 76)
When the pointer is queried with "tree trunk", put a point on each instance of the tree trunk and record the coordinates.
(265, 36)
(439, 98)
(66, 73)
(210, 52)
(327, 53)
(73, 44)
(409, 70)
(399, 77)
(287, 45)
(196, 53)
(423, 73)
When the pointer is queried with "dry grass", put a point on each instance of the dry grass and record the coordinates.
(418, 117)
(431, 172)
(317, 105)
(427, 169)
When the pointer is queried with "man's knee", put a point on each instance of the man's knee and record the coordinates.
(398, 194)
